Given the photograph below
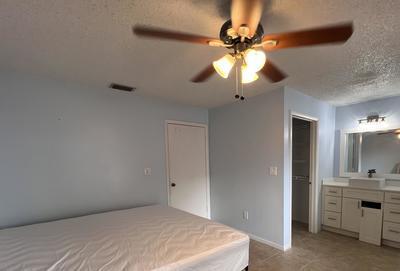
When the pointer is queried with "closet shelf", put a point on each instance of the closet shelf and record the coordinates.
(299, 161)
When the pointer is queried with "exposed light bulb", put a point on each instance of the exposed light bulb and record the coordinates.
(255, 60)
(223, 66)
(398, 136)
(248, 75)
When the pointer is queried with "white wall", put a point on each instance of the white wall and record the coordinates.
(246, 138)
(325, 113)
(347, 118)
(68, 150)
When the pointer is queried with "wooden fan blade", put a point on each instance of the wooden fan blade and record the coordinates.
(246, 12)
(159, 33)
(272, 72)
(323, 35)
(204, 75)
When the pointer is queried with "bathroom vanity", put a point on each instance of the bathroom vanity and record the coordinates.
(369, 211)
(365, 201)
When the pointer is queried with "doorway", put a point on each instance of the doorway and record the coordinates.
(304, 173)
(300, 172)
(187, 167)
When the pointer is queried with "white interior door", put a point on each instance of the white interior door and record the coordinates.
(187, 161)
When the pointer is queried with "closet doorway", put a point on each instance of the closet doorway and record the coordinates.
(303, 153)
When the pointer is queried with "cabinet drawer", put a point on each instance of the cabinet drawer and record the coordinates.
(363, 194)
(392, 212)
(332, 191)
(332, 219)
(333, 204)
(391, 231)
(392, 197)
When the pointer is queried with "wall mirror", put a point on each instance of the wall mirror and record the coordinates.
(364, 150)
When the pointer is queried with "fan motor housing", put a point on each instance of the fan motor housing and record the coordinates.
(235, 42)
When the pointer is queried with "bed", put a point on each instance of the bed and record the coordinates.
(147, 238)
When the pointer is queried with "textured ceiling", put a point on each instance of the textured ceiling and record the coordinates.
(91, 42)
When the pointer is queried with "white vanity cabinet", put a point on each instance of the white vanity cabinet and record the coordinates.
(372, 215)
(391, 217)
(351, 214)
(392, 197)
(362, 213)
(371, 225)
(332, 206)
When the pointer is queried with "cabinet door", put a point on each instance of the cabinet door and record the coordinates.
(371, 226)
(351, 214)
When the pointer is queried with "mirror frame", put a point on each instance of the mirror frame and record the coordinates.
(342, 157)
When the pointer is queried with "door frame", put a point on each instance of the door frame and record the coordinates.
(193, 124)
(314, 165)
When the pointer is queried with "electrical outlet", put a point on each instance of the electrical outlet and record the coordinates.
(246, 215)
(273, 171)
(147, 171)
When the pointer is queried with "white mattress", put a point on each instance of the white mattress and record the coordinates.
(147, 238)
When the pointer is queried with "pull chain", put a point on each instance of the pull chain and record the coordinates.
(242, 94)
(238, 65)
(241, 79)
(237, 96)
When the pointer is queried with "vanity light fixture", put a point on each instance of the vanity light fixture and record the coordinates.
(371, 119)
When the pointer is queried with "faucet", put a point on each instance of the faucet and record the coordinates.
(371, 172)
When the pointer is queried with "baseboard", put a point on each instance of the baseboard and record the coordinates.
(356, 235)
(390, 243)
(340, 231)
(268, 243)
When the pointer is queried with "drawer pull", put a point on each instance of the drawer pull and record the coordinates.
(332, 203)
(332, 191)
(331, 218)
(394, 212)
(394, 231)
(395, 198)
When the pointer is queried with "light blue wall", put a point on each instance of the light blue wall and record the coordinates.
(297, 102)
(246, 138)
(347, 118)
(68, 150)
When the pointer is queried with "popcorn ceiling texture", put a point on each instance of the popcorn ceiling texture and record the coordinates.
(91, 42)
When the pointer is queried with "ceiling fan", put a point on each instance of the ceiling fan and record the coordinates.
(244, 36)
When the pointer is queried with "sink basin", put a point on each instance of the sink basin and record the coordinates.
(365, 182)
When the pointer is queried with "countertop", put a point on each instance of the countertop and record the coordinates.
(344, 183)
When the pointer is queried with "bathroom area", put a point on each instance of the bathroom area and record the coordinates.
(362, 200)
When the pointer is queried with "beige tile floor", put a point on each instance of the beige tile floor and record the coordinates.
(323, 251)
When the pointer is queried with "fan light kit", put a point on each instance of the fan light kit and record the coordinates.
(242, 35)
(251, 60)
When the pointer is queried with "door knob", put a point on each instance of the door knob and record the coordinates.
(173, 184)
